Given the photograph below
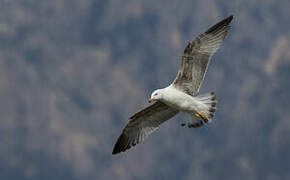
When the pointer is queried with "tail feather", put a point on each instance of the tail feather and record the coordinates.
(191, 120)
(208, 105)
(205, 112)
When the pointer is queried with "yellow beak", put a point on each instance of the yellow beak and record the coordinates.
(150, 100)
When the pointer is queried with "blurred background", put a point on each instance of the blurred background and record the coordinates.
(72, 72)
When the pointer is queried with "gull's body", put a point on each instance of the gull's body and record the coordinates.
(180, 100)
(180, 96)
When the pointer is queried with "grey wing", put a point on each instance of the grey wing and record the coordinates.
(142, 124)
(196, 57)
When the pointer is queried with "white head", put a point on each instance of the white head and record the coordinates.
(156, 95)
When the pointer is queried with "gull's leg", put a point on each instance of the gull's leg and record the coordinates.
(202, 116)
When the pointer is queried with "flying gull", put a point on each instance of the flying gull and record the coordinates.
(180, 96)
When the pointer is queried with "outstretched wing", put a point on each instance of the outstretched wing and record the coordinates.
(142, 124)
(196, 57)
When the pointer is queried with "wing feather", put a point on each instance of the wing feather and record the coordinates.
(143, 124)
(197, 55)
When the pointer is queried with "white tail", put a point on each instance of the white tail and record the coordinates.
(205, 112)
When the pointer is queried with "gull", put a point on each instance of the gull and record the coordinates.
(181, 95)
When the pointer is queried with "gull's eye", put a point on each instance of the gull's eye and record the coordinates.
(155, 94)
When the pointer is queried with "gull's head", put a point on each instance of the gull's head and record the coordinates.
(156, 95)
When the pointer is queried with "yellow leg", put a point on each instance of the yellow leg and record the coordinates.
(200, 115)
(197, 115)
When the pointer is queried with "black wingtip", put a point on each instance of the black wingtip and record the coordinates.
(115, 150)
(227, 20)
(118, 146)
(222, 23)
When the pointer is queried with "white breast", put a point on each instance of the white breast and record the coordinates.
(178, 99)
